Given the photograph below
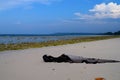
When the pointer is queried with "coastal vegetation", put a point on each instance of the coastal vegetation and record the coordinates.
(16, 46)
(112, 33)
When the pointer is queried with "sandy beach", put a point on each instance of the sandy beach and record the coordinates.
(28, 64)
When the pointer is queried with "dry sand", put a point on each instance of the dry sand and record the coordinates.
(28, 64)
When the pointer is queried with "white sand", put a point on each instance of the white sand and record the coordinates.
(28, 64)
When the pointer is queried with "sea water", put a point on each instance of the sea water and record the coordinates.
(27, 39)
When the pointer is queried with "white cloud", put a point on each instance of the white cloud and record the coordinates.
(83, 16)
(101, 11)
(6, 4)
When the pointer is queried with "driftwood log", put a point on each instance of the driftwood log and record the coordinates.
(76, 59)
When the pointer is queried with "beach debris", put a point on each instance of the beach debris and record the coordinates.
(100, 78)
(53, 69)
(84, 47)
(76, 59)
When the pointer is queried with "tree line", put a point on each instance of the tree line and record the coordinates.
(112, 33)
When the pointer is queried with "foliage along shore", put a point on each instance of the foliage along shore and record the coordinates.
(4, 47)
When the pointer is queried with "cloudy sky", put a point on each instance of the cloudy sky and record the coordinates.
(52, 16)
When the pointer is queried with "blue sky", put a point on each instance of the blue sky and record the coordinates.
(52, 16)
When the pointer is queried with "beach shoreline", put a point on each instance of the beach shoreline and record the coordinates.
(26, 45)
(28, 64)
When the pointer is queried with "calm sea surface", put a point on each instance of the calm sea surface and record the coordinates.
(26, 39)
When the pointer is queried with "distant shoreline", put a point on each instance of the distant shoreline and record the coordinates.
(13, 46)
(54, 34)
(63, 34)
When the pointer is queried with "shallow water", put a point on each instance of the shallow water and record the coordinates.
(26, 39)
